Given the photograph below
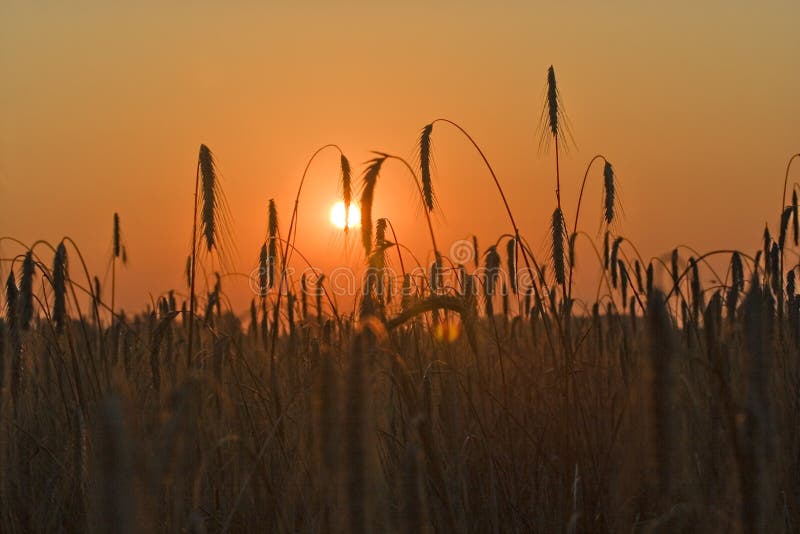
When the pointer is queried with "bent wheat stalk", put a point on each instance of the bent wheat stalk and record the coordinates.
(609, 206)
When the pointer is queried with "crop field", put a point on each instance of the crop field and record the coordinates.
(474, 391)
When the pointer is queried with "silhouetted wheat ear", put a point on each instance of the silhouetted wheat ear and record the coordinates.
(511, 253)
(610, 192)
(318, 295)
(785, 216)
(613, 261)
(552, 101)
(26, 291)
(117, 249)
(775, 264)
(60, 287)
(263, 267)
(405, 292)
(623, 281)
(347, 189)
(649, 279)
(12, 295)
(369, 180)
(737, 271)
(97, 290)
(425, 165)
(737, 285)
(767, 245)
(272, 243)
(433, 278)
(304, 296)
(795, 221)
(558, 232)
(476, 251)
(571, 249)
(638, 270)
(697, 292)
(606, 251)
(380, 232)
(674, 266)
(757, 260)
(492, 265)
(208, 175)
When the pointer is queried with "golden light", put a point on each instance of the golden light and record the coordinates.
(448, 331)
(338, 219)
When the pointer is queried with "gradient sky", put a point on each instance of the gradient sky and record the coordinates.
(102, 109)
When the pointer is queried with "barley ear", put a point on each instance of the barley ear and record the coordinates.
(60, 287)
(347, 189)
(208, 175)
(785, 216)
(26, 291)
(614, 262)
(674, 266)
(492, 272)
(610, 192)
(369, 180)
(425, 165)
(116, 239)
(558, 234)
(511, 252)
(552, 102)
(272, 250)
(263, 266)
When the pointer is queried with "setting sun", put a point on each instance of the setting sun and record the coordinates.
(338, 219)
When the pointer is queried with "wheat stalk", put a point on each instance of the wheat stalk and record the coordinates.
(425, 165)
(206, 193)
(26, 291)
(557, 250)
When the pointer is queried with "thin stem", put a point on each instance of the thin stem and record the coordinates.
(422, 198)
(508, 211)
(289, 239)
(397, 244)
(488, 166)
(558, 178)
(786, 180)
(192, 270)
(578, 210)
(292, 221)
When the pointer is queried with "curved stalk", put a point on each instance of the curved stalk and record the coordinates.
(578, 209)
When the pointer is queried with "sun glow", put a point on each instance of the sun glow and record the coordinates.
(338, 219)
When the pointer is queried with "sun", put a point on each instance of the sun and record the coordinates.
(338, 218)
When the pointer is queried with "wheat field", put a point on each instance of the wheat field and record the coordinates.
(477, 395)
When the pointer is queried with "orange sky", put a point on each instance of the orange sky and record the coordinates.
(102, 109)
